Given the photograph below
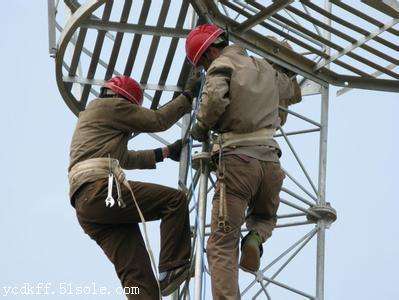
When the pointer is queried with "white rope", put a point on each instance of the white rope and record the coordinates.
(147, 242)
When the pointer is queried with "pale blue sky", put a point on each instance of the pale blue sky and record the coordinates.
(42, 241)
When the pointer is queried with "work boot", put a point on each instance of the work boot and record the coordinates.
(172, 279)
(251, 251)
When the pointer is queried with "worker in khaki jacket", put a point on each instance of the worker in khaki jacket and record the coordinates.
(240, 101)
(98, 154)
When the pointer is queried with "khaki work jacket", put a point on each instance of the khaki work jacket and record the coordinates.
(241, 94)
(106, 125)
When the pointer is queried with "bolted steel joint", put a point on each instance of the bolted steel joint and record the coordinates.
(322, 212)
(199, 159)
(192, 231)
(259, 276)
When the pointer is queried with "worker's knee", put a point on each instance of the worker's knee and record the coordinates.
(182, 197)
(178, 200)
(222, 254)
(220, 242)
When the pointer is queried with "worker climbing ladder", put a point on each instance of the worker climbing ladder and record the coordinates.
(95, 39)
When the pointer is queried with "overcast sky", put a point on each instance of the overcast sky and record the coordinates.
(42, 241)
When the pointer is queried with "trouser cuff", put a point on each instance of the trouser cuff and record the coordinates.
(173, 265)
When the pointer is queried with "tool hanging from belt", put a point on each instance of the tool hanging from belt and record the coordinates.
(222, 213)
(110, 201)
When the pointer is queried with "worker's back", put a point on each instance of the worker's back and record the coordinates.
(241, 95)
(96, 134)
(253, 92)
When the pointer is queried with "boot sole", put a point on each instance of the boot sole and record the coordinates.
(175, 284)
(249, 261)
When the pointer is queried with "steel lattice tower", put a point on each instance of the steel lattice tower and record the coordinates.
(342, 43)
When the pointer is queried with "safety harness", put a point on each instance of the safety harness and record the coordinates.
(101, 168)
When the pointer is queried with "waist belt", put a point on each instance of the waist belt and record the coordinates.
(98, 168)
(256, 138)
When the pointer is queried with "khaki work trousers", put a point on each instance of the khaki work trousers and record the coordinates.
(117, 232)
(251, 184)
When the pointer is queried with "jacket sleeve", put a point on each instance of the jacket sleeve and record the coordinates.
(143, 159)
(215, 95)
(133, 118)
(289, 93)
(285, 86)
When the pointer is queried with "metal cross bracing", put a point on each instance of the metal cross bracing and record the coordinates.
(352, 45)
(356, 46)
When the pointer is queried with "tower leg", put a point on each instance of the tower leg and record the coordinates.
(322, 193)
(201, 215)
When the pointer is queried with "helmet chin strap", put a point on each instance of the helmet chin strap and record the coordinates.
(207, 60)
(110, 93)
(206, 57)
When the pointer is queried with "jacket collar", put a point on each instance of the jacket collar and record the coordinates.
(234, 49)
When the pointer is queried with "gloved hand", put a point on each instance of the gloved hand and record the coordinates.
(175, 150)
(199, 133)
(193, 84)
(287, 72)
(279, 68)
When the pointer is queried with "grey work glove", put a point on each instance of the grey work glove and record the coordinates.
(193, 84)
(199, 133)
(175, 150)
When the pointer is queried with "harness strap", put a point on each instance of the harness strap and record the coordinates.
(222, 213)
(258, 137)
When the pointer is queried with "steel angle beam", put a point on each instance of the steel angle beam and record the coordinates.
(51, 11)
(257, 7)
(96, 52)
(263, 15)
(136, 40)
(367, 83)
(351, 26)
(82, 13)
(343, 35)
(362, 15)
(314, 36)
(100, 82)
(118, 40)
(155, 42)
(135, 28)
(310, 88)
(73, 5)
(389, 7)
(359, 43)
(287, 58)
(257, 42)
(84, 23)
(171, 53)
(375, 74)
(83, 18)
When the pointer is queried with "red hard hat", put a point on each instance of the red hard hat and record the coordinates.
(199, 39)
(127, 88)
